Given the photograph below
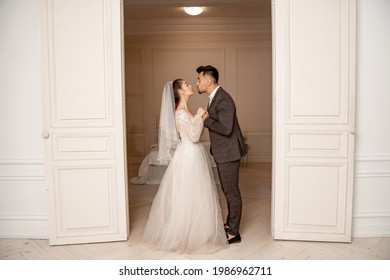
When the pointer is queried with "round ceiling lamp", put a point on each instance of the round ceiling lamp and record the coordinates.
(193, 11)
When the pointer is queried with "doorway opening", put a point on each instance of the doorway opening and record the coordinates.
(162, 43)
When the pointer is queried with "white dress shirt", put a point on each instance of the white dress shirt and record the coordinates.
(213, 94)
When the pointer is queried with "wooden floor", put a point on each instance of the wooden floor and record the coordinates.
(257, 242)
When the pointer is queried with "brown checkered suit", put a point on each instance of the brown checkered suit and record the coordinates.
(227, 147)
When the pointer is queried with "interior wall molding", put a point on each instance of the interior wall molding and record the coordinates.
(372, 214)
(136, 150)
(372, 174)
(372, 158)
(372, 179)
(23, 217)
(258, 131)
(188, 2)
(22, 170)
(22, 178)
(22, 161)
(26, 176)
(258, 141)
(372, 166)
(198, 25)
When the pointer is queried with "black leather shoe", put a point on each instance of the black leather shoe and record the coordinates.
(235, 239)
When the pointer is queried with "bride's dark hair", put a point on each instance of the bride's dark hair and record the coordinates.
(176, 85)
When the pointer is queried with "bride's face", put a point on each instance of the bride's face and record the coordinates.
(187, 89)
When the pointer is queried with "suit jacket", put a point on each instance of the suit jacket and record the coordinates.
(226, 139)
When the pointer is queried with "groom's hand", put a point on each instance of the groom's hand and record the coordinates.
(205, 114)
(200, 111)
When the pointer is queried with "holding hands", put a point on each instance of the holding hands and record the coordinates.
(203, 113)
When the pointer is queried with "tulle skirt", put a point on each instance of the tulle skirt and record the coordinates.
(185, 215)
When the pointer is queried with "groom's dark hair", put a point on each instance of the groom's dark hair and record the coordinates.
(209, 70)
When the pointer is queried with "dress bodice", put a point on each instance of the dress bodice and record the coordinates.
(189, 127)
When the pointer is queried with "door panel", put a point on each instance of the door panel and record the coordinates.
(326, 196)
(314, 66)
(84, 120)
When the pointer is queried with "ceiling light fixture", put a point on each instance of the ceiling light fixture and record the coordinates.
(193, 11)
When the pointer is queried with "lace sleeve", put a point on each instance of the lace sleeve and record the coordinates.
(190, 126)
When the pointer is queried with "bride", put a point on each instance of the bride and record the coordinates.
(185, 215)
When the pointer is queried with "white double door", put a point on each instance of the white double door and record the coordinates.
(83, 92)
(314, 119)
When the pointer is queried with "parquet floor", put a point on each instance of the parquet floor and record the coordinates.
(257, 242)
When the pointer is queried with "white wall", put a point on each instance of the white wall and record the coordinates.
(23, 211)
(372, 167)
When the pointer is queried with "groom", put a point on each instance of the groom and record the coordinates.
(227, 144)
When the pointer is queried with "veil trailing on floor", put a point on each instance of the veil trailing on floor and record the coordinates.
(168, 136)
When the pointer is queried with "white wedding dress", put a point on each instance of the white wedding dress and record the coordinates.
(185, 215)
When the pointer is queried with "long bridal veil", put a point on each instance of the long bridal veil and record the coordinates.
(168, 137)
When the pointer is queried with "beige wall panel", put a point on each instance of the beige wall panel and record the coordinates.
(254, 87)
(136, 149)
(259, 145)
(134, 94)
(245, 67)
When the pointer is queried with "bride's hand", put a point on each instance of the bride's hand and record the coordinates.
(200, 112)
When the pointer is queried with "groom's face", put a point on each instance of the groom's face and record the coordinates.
(201, 84)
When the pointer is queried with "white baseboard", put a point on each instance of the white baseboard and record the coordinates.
(371, 216)
(371, 224)
(23, 209)
(35, 227)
